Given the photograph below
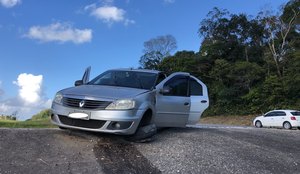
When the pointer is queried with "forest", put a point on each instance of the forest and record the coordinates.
(250, 64)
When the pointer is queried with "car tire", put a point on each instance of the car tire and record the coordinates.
(258, 124)
(287, 125)
(143, 134)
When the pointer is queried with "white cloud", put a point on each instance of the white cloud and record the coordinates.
(10, 3)
(30, 99)
(109, 14)
(60, 32)
(29, 87)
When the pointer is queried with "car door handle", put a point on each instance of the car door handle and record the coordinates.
(203, 101)
(186, 103)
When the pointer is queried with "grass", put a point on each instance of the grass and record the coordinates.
(229, 120)
(40, 123)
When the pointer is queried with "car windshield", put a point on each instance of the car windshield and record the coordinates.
(131, 79)
(297, 113)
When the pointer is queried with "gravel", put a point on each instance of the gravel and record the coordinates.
(216, 149)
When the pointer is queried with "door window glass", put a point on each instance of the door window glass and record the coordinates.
(271, 114)
(195, 88)
(178, 86)
(280, 113)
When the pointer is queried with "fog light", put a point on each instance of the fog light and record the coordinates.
(116, 125)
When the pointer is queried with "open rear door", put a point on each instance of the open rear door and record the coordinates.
(86, 75)
(199, 100)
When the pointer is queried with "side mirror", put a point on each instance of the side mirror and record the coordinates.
(78, 82)
(165, 90)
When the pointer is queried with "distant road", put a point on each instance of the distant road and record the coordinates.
(205, 149)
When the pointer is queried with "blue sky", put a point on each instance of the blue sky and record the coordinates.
(46, 45)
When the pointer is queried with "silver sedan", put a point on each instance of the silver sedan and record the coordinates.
(122, 101)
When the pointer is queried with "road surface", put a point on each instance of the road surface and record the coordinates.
(198, 149)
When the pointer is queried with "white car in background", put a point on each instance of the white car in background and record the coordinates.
(279, 118)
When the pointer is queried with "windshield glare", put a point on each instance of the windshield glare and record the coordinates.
(131, 79)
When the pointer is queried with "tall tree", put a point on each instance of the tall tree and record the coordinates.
(276, 31)
(156, 49)
(233, 37)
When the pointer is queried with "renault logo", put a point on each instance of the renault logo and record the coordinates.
(81, 103)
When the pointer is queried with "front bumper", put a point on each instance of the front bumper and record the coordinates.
(108, 121)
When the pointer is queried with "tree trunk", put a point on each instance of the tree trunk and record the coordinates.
(246, 54)
(277, 66)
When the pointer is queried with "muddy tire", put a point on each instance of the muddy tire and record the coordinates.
(143, 134)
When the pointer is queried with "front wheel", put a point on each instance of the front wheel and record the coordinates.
(287, 125)
(258, 124)
(143, 134)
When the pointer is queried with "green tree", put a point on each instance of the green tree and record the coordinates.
(42, 115)
(277, 29)
(181, 61)
(244, 75)
(156, 49)
(230, 36)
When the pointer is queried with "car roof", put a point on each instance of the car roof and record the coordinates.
(285, 110)
(136, 70)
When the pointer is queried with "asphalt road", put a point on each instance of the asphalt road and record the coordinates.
(205, 149)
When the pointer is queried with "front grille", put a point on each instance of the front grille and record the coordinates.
(88, 104)
(92, 124)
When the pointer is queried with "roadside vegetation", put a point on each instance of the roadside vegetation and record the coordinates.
(40, 120)
(250, 64)
(236, 120)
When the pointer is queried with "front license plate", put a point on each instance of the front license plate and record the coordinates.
(79, 115)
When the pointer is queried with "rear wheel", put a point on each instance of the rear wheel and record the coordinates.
(287, 125)
(258, 124)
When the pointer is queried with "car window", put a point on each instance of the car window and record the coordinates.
(195, 88)
(131, 79)
(280, 113)
(270, 114)
(275, 113)
(106, 79)
(297, 113)
(178, 86)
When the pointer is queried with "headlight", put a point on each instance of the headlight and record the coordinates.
(58, 98)
(122, 104)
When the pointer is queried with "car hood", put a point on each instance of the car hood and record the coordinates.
(100, 91)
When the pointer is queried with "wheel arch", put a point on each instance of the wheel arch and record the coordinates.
(290, 125)
(147, 118)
